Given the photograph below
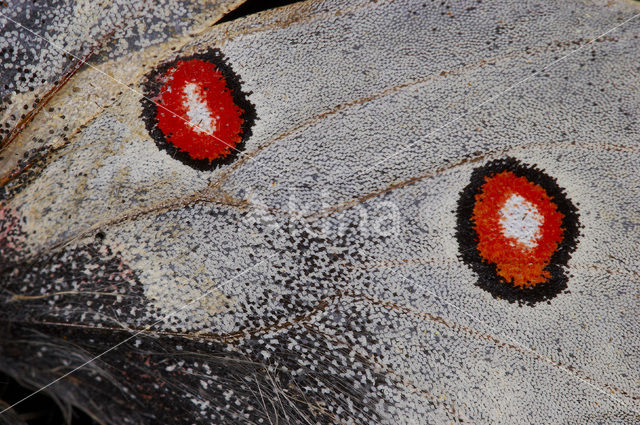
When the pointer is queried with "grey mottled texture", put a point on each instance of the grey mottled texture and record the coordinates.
(323, 262)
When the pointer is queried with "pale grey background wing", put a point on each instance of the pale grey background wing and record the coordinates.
(365, 111)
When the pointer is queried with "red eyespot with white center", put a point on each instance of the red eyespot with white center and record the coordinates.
(516, 229)
(195, 109)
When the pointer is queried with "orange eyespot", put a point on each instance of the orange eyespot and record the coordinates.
(516, 229)
(194, 108)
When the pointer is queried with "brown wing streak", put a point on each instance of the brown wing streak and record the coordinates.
(22, 124)
(556, 364)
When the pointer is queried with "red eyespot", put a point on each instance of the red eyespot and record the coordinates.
(516, 229)
(194, 108)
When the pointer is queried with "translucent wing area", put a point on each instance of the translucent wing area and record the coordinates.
(317, 276)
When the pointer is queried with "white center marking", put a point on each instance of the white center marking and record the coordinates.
(521, 220)
(200, 116)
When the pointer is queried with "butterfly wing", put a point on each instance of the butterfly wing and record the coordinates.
(317, 277)
(43, 45)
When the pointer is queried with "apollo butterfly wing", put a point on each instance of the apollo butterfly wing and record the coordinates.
(336, 212)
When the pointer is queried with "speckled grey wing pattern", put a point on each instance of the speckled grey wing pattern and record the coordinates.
(43, 44)
(317, 278)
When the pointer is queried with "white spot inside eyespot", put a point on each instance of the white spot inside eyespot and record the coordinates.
(199, 114)
(521, 220)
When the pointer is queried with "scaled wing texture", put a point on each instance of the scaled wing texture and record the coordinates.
(387, 212)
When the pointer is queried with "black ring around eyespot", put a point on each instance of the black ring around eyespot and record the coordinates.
(151, 88)
(467, 236)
